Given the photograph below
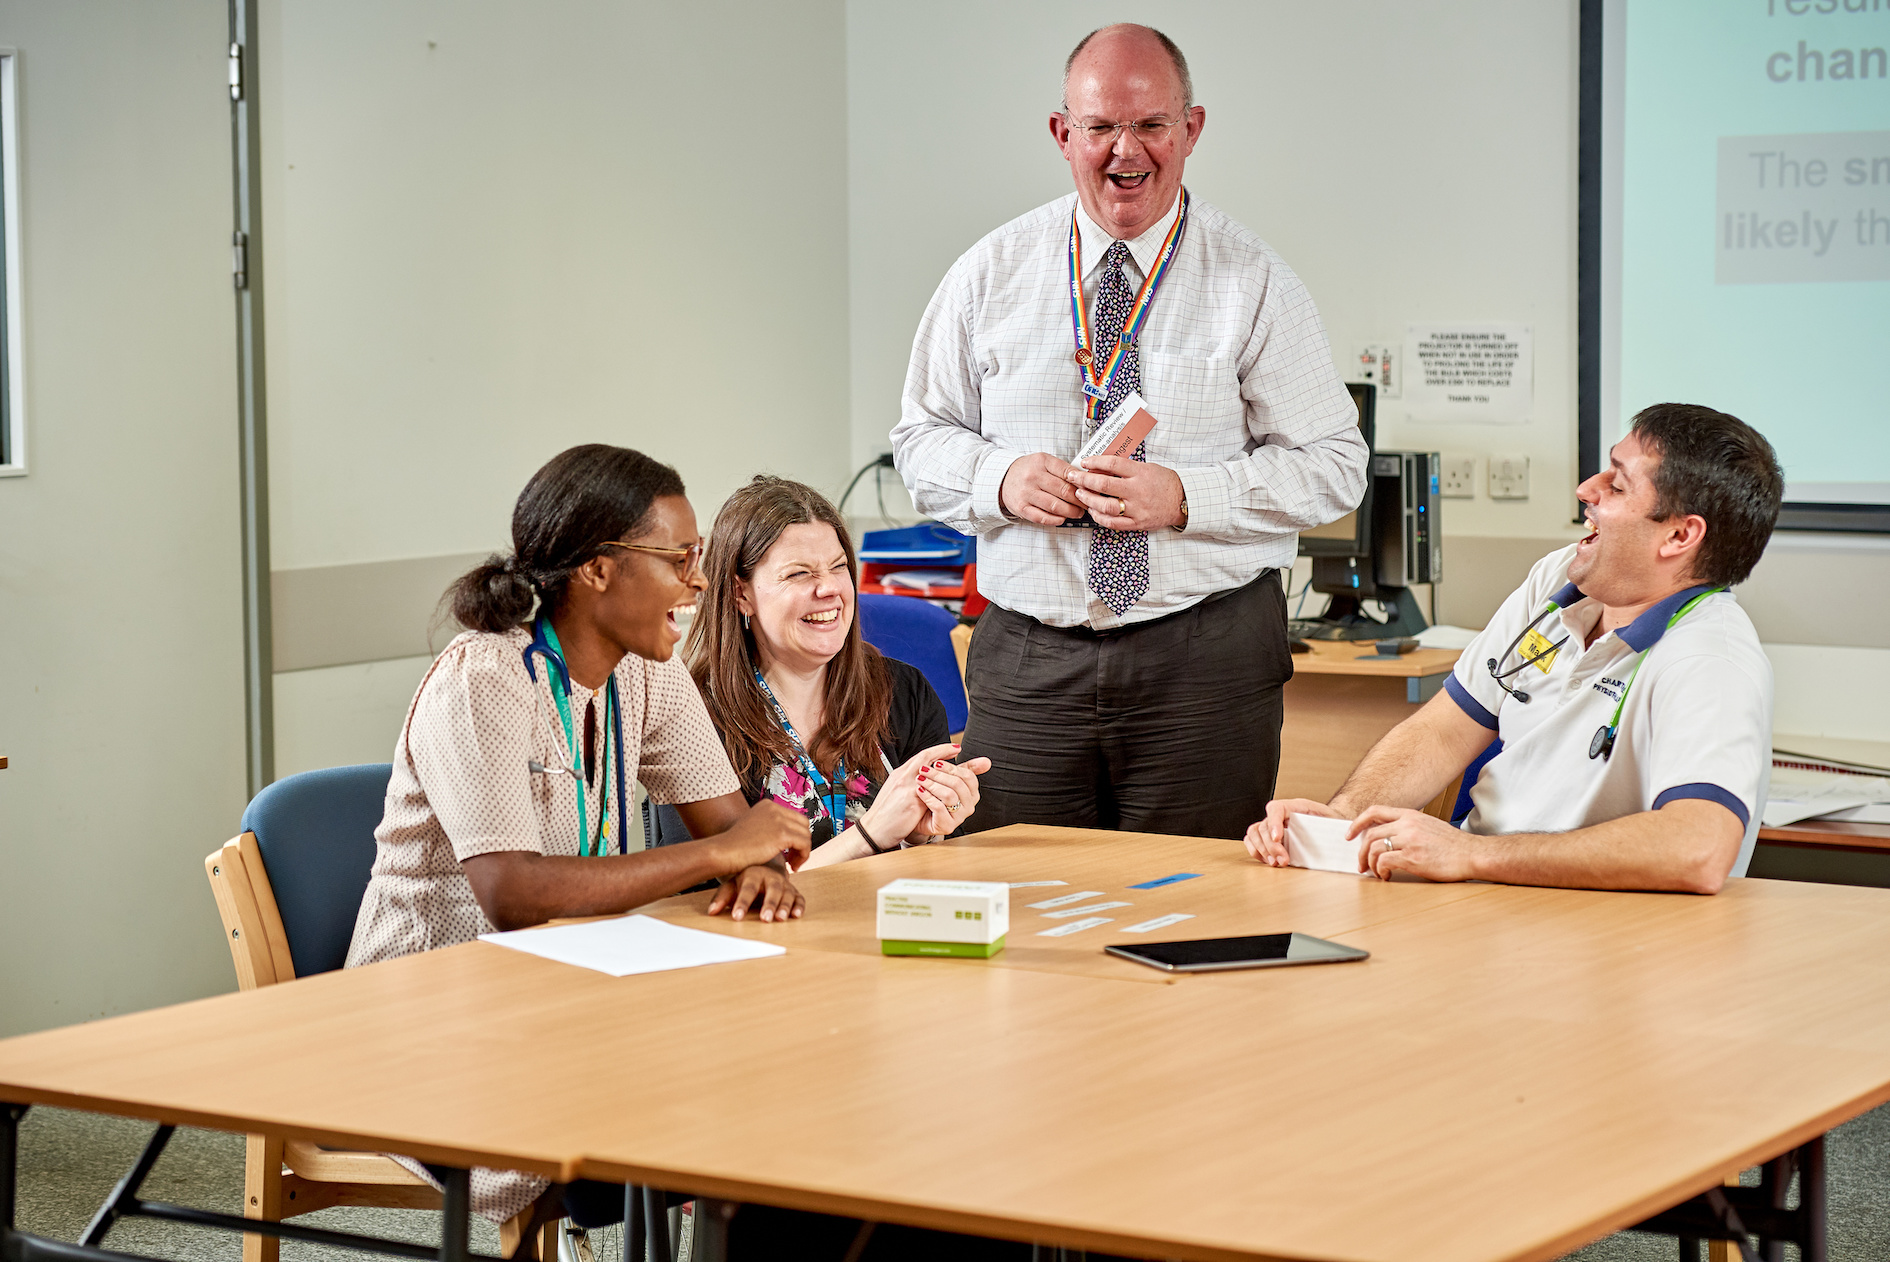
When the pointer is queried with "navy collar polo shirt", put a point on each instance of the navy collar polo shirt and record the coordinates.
(1697, 723)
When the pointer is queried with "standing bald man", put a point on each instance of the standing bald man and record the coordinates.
(1128, 673)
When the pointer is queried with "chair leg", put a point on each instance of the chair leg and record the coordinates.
(531, 1235)
(262, 1194)
(1724, 1250)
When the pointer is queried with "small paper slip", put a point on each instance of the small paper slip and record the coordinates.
(1160, 922)
(1158, 882)
(632, 944)
(1031, 885)
(1313, 841)
(1122, 432)
(1082, 911)
(1066, 900)
(1075, 926)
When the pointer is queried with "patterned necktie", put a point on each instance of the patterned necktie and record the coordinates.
(1118, 559)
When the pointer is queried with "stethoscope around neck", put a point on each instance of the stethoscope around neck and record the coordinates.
(1602, 746)
(544, 641)
(1501, 677)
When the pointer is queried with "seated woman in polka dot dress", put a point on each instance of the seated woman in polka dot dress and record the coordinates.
(516, 765)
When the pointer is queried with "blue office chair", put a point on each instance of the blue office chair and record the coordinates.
(919, 633)
(1461, 809)
(316, 835)
(289, 889)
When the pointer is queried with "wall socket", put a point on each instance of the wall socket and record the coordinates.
(1457, 478)
(1509, 477)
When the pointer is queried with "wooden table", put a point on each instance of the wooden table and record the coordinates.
(1513, 1073)
(1340, 700)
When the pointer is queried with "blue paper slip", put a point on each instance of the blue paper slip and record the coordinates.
(1166, 880)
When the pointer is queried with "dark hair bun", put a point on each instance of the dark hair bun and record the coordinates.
(494, 596)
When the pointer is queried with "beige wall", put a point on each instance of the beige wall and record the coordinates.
(496, 230)
(121, 689)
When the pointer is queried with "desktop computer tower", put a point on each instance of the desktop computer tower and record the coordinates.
(1408, 545)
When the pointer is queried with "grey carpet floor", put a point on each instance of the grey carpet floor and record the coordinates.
(69, 1162)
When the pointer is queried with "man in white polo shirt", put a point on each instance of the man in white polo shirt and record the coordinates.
(1623, 682)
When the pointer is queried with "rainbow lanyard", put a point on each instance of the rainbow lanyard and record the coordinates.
(588, 844)
(1099, 376)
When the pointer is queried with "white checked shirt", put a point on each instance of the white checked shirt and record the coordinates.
(1249, 410)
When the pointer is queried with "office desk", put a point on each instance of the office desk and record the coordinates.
(1831, 835)
(1337, 706)
(1514, 1072)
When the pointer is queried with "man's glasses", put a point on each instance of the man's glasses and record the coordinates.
(1149, 131)
(686, 560)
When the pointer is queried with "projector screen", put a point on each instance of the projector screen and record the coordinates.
(1736, 232)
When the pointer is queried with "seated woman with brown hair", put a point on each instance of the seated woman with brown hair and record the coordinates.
(811, 715)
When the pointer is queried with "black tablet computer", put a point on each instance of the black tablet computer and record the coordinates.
(1265, 950)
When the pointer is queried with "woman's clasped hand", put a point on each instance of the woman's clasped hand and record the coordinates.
(929, 794)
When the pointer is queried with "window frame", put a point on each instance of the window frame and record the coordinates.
(12, 377)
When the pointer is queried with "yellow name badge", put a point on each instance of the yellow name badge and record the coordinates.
(1540, 647)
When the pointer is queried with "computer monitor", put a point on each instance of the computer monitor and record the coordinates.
(1392, 540)
(1351, 535)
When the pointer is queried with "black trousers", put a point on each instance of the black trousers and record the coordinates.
(1169, 726)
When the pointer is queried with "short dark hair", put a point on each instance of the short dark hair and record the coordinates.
(1168, 46)
(583, 498)
(1722, 469)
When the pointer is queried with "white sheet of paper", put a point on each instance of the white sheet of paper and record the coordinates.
(1313, 841)
(632, 944)
(1026, 885)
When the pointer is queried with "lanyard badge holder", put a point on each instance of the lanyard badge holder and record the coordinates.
(832, 794)
(545, 641)
(1096, 369)
(1602, 746)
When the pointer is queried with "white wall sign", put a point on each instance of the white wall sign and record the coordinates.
(1469, 372)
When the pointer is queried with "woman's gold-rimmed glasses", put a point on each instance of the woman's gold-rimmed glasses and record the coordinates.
(686, 560)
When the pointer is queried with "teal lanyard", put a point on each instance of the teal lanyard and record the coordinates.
(1602, 746)
(588, 844)
(832, 794)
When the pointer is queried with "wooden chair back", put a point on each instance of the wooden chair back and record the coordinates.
(284, 1178)
(252, 927)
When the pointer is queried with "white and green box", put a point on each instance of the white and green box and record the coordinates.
(963, 918)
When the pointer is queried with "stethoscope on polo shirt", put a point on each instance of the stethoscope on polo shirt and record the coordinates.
(1602, 746)
(545, 641)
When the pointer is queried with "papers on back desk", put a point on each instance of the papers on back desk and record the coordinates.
(632, 944)
(1797, 795)
(1313, 841)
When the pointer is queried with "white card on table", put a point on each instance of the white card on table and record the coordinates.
(1075, 926)
(1066, 899)
(1083, 911)
(1314, 841)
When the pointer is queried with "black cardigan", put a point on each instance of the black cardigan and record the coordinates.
(915, 721)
